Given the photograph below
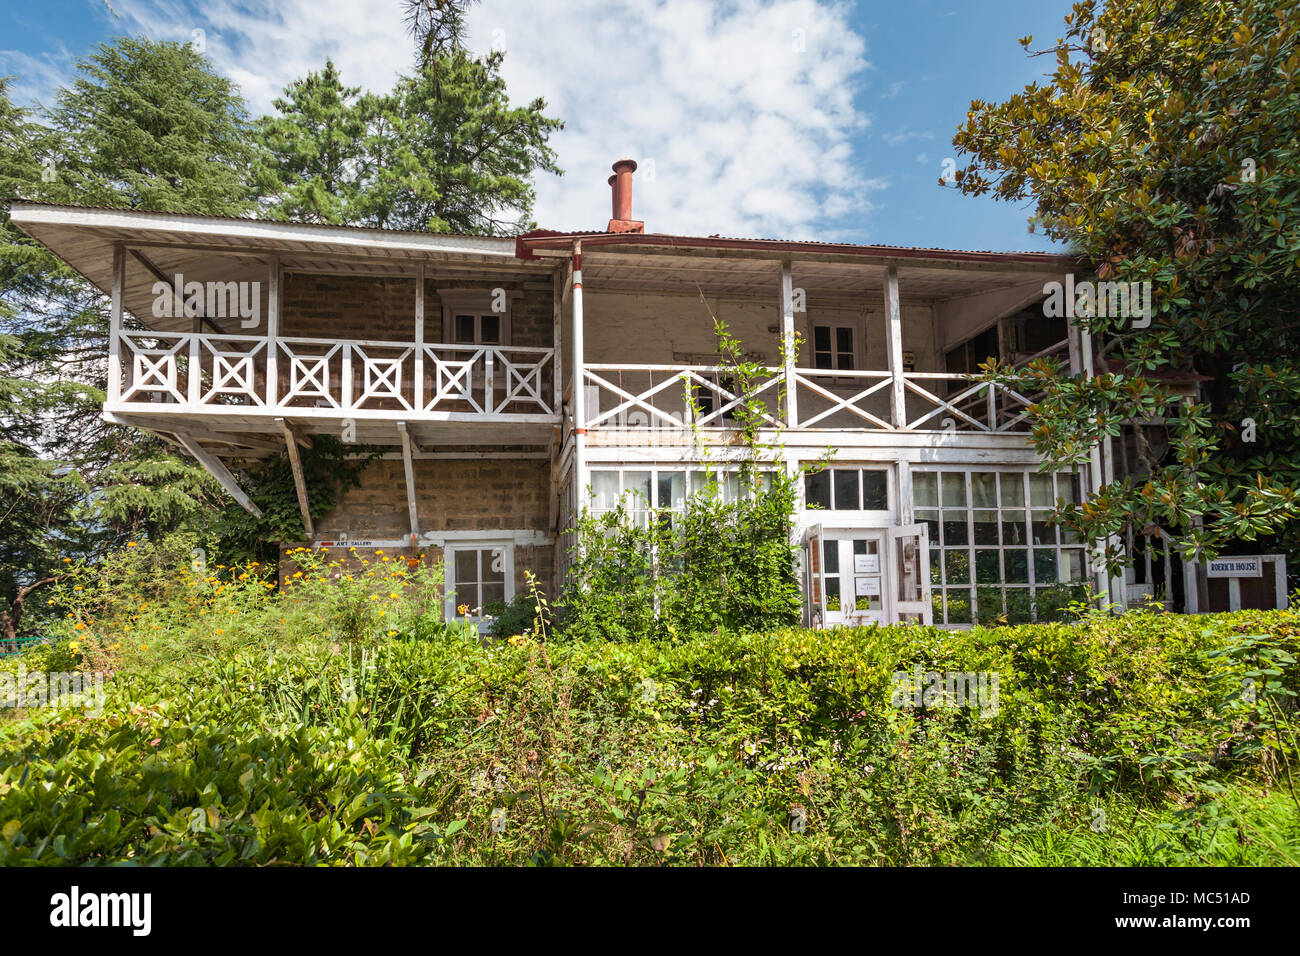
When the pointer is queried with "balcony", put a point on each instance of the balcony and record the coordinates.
(664, 396)
(239, 375)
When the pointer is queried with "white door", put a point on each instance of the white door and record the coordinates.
(867, 576)
(909, 562)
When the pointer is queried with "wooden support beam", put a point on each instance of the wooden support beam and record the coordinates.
(115, 324)
(272, 335)
(299, 480)
(409, 467)
(894, 350)
(417, 387)
(161, 276)
(218, 471)
(787, 344)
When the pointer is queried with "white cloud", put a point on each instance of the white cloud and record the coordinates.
(740, 112)
(893, 91)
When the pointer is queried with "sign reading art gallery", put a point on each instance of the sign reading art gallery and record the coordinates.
(1236, 566)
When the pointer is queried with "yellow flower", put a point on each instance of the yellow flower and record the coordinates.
(130, 544)
(67, 560)
(144, 647)
(74, 647)
(391, 633)
(462, 609)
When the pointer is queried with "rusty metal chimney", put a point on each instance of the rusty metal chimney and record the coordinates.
(621, 193)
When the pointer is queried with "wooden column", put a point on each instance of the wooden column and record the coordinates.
(787, 344)
(417, 387)
(272, 334)
(894, 352)
(115, 324)
(579, 385)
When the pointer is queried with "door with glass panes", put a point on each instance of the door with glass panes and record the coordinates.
(862, 576)
(480, 575)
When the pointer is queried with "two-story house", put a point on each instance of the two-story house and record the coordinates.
(513, 381)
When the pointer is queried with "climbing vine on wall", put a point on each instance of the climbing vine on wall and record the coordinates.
(329, 468)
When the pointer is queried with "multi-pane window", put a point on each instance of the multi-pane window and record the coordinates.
(833, 347)
(994, 551)
(662, 488)
(480, 576)
(847, 489)
(476, 328)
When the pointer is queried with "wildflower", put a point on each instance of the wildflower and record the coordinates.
(130, 544)
(74, 647)
(144, 647)
(67, 560)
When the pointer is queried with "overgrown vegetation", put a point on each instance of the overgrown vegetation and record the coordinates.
(341, 722)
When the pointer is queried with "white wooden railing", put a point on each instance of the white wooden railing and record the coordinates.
(665, 396)
(333, 376)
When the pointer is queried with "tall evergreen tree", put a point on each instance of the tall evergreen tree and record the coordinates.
(315, 148)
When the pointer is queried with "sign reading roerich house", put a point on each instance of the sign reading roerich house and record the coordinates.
(1236, 566)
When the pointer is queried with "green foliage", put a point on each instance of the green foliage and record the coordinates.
(1162, 149)
(329, 467)
(717, 564)
(1111, 741)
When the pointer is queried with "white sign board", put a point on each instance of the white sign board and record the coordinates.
(866, 564)
(1236, 566)
(867, 587)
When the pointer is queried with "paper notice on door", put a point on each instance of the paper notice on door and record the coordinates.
(866, 587)
(866, 564)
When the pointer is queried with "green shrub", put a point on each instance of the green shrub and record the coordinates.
(782, 747)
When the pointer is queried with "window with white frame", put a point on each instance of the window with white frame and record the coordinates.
(994, 551)
(847, 489)
(479, 575)
(834, 346)
(663, 488)
(476, 316)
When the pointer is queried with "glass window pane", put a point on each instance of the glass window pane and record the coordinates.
(1013, 527)
(987, 570)
(832, 594)
(464, 328)
(983, 487)
(493, 565)
(604, 490)
(637, 482)
(875, 490)
(844, 340)
(845, 361)
(1067, 486)
(846, 491)
(672, 489)
(493, 592)
(925, 488)
(1044, 530)
(956, 566)
(817, 489)
(1013, 489)
(466, 574)
(954, 528)
(986, 527)
(931, 520)
(823, 360)
(1040, 491)
(959, 605)
(1045, 566)
(491, 325)
(954, 489)
(822, 338)
(1072, 564)
(1016, 561)
(832, 561)
(936, 567)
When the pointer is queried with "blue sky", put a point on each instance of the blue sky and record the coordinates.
(795, 119)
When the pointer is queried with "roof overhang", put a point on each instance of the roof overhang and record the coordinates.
(214, 248)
